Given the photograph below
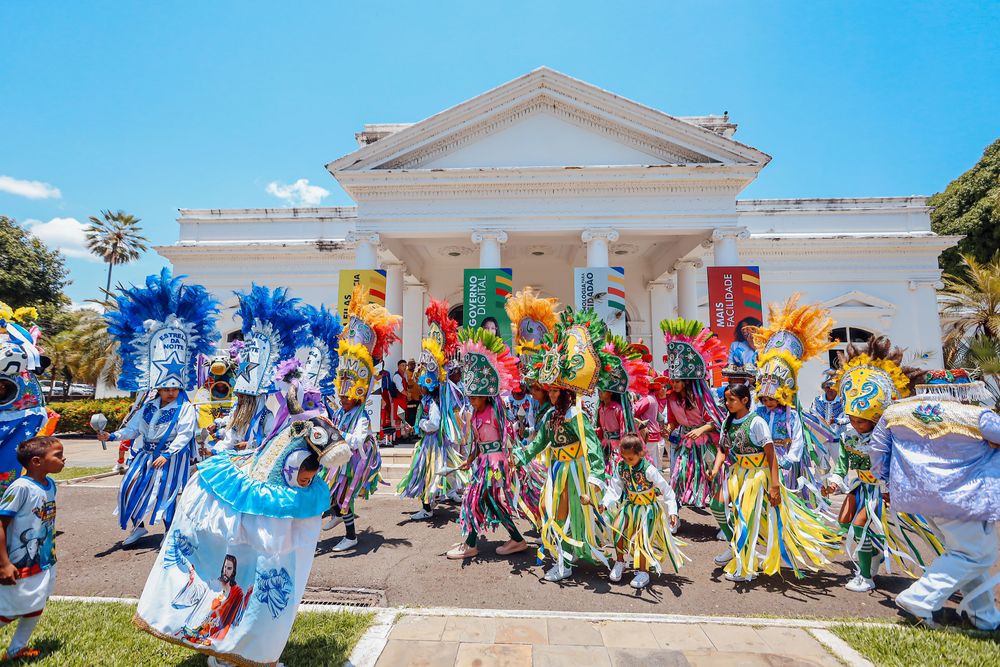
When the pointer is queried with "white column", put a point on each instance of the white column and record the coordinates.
(365, 249)
(413, 319)
(687, 287)
(489, 242)
(724, 245)
(598, 243)
(926, 321)
(662, 306)
(394, 303)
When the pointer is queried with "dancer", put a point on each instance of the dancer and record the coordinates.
(641, 524)
(22, 403)
(624, 372)
(939, 452)
(161, 329)
(371, 331)
(693, 352)
(231, 573)
(764, 513)
(794, 335)
(572, 530)
(829, 405)
(488, 369)
(435, 421)
(870, 378)
(273, 329)
(27, 541)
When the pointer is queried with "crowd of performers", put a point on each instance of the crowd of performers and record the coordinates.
(245, 456)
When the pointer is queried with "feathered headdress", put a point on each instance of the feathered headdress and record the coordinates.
(488, 368)
(622, 368)
(441, 328)
(567, 357)
(273, 330)
(370, 332)
(693, 350)
(161, 329)
(795, 334)
(531, 317)
(324, 329)
(872, 376)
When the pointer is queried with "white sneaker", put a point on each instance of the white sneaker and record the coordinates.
(616, 572)
(454, 497)
(344, 545)
(137, 534)
(640, 580)
(332, 522)
(558, 573)
(721, 536)
(724, 557)
(738, 577)
(421, 515)
(119, 468)
(860, 584)
(673, 529)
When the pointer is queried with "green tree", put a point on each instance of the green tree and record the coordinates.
(970, 304)
(31, 274)
(95, 355)
(116, 238)
(970, 206)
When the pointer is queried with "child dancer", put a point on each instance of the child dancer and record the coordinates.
(610, 427)
(27, 542)
(488, 369)
(641, 523)
(624, 372)
(370, 331)
(762, 511)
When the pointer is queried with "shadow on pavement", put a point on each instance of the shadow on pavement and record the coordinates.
(369, 541)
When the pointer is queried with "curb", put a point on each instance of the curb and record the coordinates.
(88, 478)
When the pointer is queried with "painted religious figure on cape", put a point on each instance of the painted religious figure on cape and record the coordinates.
(212, 612)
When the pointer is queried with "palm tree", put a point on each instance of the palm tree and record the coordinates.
(115, 238)
(983, 354)
(95, 357)
(970, 304)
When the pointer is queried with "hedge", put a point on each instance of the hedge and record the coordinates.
(74, 416)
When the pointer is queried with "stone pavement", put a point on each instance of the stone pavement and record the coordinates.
(451, 639)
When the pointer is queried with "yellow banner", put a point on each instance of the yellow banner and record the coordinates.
(373, 279)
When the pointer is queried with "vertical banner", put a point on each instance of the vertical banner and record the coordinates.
(733, 296)
(484, 294)
(373, 279)
(603, 289)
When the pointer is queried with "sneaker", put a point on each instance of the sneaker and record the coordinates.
(455, 497)
(332, 522)
(344, 545)
(616, 572)
(119, 468)
(920, 615)
(640, 580)
(461, 551)
(512, 547)
(421, 515)
(24, 653)
(673, 529)
(738, 577)
(137, 534)
(721, 536)
(724, 557)
(558, 572)
(860, 584)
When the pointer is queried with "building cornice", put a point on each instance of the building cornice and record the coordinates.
(292, 251)
(242, 215)
(836, 206)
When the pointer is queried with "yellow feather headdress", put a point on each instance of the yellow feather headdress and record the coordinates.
(370, 331)
(531, 317)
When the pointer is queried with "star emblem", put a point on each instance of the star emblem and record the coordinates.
(172, 366)
(245, 368)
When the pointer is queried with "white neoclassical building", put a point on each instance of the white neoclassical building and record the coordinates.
(547, 173)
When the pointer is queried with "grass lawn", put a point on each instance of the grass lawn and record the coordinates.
(84, 633)
(907, 646)
(73, 473)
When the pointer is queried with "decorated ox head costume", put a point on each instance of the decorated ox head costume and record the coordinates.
(370, 332)
(872, 376)
(568, 357)
(161, 328)
(795, 334)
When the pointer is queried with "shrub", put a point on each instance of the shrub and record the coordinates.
(74, 416)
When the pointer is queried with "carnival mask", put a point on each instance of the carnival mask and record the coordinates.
(867, 391)
(530, 333)
(478, 376)
(777, 380)
(354, 376)
(684, 362)
(255, 374)
(785, 340)
(579, 368)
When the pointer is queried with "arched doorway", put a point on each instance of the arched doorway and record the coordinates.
(845, 336)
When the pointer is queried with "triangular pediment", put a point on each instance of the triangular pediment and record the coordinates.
(856, 299)
(547, 119)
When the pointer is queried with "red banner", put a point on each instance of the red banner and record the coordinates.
(733, 299)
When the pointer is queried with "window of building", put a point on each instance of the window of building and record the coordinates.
(845, 336)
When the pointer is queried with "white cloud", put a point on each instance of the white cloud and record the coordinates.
(299, 193)
(67, 234)
(29, 189)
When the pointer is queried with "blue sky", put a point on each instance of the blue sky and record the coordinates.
(150, 107)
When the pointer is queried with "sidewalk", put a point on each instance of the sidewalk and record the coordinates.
(475, 638)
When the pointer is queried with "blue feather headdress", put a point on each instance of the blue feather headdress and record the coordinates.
(273, 329)
(321, 364)
(161, 329)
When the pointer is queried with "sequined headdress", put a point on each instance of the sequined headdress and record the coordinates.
(957, 384)
(531, 318)
(323, 334)
(872, 376)
(273, 330)
(567, 357)
(20, 359)
(488, 368)
(622, 368)
(371, 331)
(437, 347)
(161, 328)
(795, 334)
(693, 350)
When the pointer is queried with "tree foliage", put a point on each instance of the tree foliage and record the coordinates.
(116, 238)
(31, 274)
(970, 206)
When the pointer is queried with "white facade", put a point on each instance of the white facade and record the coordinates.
(547, 173)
